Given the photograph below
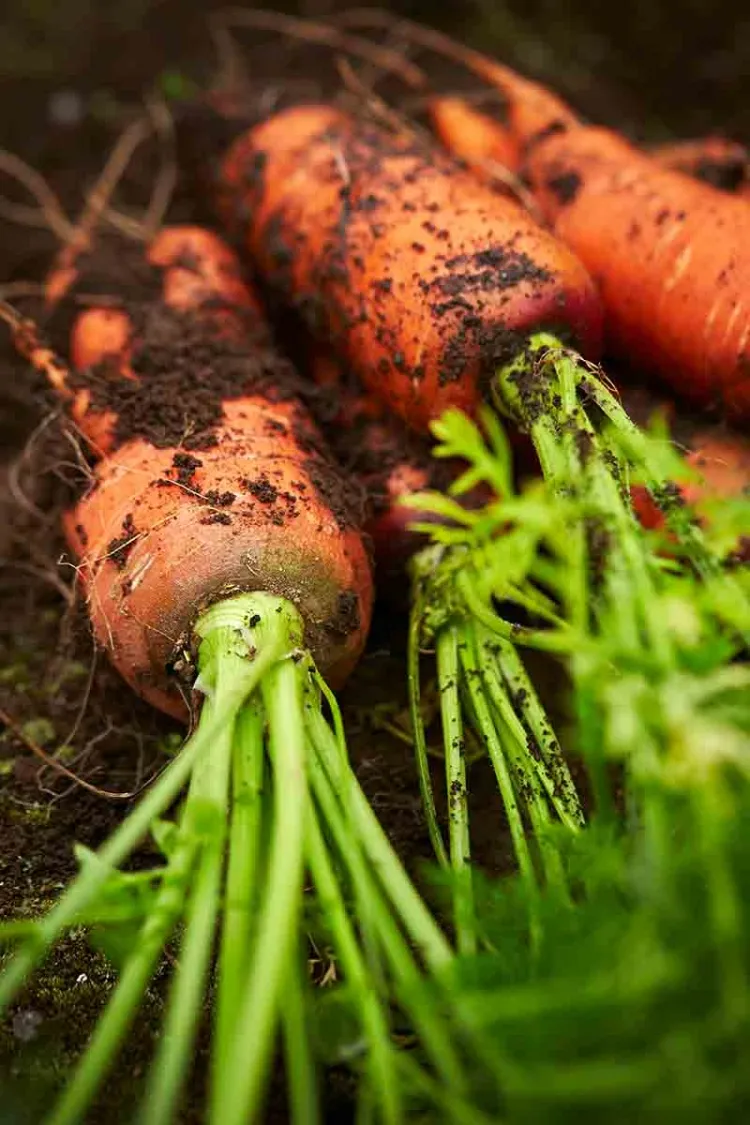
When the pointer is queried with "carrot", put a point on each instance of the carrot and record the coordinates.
(484, 142)
(250, 496)
(216, 539)
(424, 280)
(671, 256)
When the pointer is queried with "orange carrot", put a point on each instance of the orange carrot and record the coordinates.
(671, 255)
(231, 490)
(424, 280)
(483, 142)
(472, 135)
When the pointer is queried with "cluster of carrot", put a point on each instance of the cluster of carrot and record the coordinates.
(219, 545)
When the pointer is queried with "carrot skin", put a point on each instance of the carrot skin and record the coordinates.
(423, 279)
(158, 543)
(671, 256)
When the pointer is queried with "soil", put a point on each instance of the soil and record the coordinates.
(68, 77)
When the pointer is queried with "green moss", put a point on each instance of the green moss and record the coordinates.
(61, 1008)
(40, 731)
(15, 675)
(33, 812)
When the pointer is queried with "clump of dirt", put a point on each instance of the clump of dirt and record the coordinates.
(119, 548)
(185, 368)
(565, 186)
(185, 464)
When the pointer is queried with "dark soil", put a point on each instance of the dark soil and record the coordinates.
(625, 67)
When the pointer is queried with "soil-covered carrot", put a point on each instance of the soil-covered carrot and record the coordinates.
(670, 254)
(212, 472)
(423, 280)
(216, 473)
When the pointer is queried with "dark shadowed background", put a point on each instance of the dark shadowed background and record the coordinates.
(656, 67)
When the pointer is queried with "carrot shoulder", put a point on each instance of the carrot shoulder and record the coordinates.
(424, 279)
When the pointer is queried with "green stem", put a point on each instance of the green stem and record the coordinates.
(368, 879)
(410, 907)
(187, 991)
(117, 1018)
(243, 880)
(636, 557)
(496, 754)
(588, 722)
(365, 998)
(239, 1103)
(123, 841)
(300, 1065)
(447, 1105)
(546, 640)
(679, 520)
(448, 672)
(206, 821)
(231, 675)
(217, 627)
(527, 782)
(713, 813)
(556, 776)
(417, 726)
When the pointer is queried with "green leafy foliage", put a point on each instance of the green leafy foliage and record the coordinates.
(618, 990)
